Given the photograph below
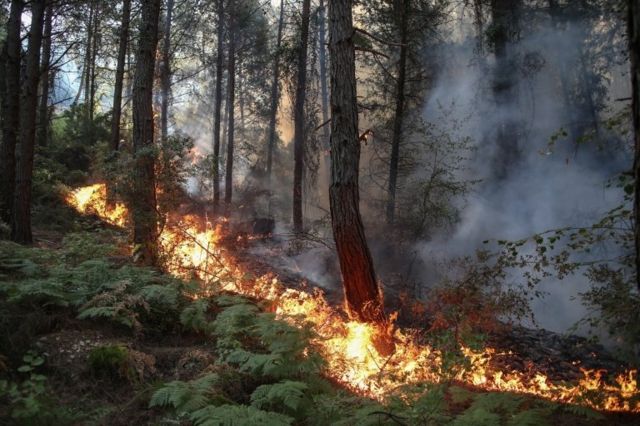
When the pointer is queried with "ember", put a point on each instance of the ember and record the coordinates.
(191, 248)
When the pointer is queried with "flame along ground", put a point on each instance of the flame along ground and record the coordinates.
(191, 248)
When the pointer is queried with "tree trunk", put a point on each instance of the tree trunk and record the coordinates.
(144, 213)
(43, 114)
(299, 118)
(218, 106)
(324, 92)
(165, 73)
(403, 14)
(634, 44)
(93, 72)
(231, 92)
(11, 111)
(505, 14)
(363, 297)
(21, 225)
(119, 81)
(86, 72)
(275, 96)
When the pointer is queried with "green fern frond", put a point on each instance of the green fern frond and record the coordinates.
(185, 397)
(288, 395)
(238, 415)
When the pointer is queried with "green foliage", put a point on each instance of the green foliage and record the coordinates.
(110, 361)
(185, 397)
(238, 415)
(30, 403)
(289, 396)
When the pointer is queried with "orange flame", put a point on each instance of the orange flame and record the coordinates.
(192, 249)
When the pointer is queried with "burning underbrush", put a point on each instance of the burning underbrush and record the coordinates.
(192, 248)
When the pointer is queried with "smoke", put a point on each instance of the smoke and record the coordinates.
(551, 185)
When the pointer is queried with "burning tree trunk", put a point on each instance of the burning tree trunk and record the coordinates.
(165, 73)
(21, 225)
(11, 111)
(218, 106)
(363, 296)
(43, 114)
(143, 198)
(403, 14)
(275, 96)
(299, 133)
(231, 89)
(634, 44)
(119, 82)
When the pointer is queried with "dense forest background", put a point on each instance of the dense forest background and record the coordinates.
(485, 147)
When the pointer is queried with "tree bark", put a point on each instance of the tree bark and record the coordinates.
(275, 96)
(324, 92)
(363, 297)
(11, 111)
(231, 92)
(143, 200)
(91, 105)
(123, 43)
(218, 106)
(403, 14)
(21, 224)
(43, 114)
(299, 118)
(505, 14)
(165, 73)
(634, 45)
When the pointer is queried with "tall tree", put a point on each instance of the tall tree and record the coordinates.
(401, 8)
(10, 110)
(299, 118)
(143, 201)
(231, 93)
(505, 30)
(21, 224)
(275, 95)
(218, 104)
(45, 78)
(322, 58)
(123, 43)
(165, 72)
(364, 299)
(634, 45)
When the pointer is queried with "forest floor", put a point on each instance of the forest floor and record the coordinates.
(88, 338)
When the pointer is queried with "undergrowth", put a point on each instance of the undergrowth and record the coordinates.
(264, 372)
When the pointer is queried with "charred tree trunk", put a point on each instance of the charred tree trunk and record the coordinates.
(634, 44)
(231, 92)
(275, 96)
(403, 14)
(218, 106)
(11, 111)
(21, 224)
(45, 78)
(363, 297)
(299, 127)
(119, 82)
(165, 73)
(143, 199)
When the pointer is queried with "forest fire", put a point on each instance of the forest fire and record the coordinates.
(191, 248)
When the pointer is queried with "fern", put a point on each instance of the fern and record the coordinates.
(477, 417)
(238, 415)
(288, 396)
(185, 397)
(194, 315)
(535, 417)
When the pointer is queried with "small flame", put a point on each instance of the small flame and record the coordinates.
(191, 248)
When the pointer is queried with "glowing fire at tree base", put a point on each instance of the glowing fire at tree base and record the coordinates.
(191, 248)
